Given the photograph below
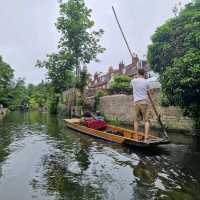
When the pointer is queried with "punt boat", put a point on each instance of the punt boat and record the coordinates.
(117, 134)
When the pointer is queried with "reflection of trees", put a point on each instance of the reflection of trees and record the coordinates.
(178, 173)
(184, 175)
(5, 141)
(63, 170)
(13, 127)
(59, 179)
(10, 130)
(54, 127)
(196, 144)
(82, 155)
(57, 130)
(146, 174)
(36, 118)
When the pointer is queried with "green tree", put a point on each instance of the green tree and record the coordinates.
(77, 39)
(174, 38)
(6, 76)
(60, 73)
(82, 82)
(38, 95)
(175, 54)
(18, 95)
(120, 85)
(78, 45)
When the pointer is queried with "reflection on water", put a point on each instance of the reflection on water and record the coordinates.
(41, 159)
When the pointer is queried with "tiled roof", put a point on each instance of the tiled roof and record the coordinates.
(130, 70)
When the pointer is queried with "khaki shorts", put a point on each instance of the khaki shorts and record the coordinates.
(142, 111)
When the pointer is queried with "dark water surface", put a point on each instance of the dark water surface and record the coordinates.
(41, 159)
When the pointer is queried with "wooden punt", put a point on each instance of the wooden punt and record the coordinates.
(127, 137)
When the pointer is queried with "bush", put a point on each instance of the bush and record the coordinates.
(175, 54)
(53, 104)
(120, 85)
(114, 122)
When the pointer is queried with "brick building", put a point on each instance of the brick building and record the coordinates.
(101, 81)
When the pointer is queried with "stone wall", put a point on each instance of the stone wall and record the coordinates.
(121, 107)
(117, 106)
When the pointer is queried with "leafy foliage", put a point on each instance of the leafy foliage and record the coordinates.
(18, 94)
(38, 95)
(182, 87)
(83, 81)
(59, 71)
(120, 85)
(74, 24)
(6, 76)
(174, 38)
(78, 45)
(14, 94)
(175, 54)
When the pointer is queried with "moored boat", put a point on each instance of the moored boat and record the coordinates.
(117, 134)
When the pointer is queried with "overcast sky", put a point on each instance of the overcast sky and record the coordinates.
(28, 33)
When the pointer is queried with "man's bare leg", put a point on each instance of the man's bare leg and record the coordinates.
(146, 128)
(135, 126)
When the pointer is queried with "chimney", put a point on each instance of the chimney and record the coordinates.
(135, 60)
(121, 67)
(96, 76)
(110, 70)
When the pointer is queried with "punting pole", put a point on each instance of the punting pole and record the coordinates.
(158, 116)
(152, 103)
(129, 49)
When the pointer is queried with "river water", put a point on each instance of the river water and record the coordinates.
(41, 159)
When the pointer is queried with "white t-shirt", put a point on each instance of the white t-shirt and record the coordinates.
(140, 88)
